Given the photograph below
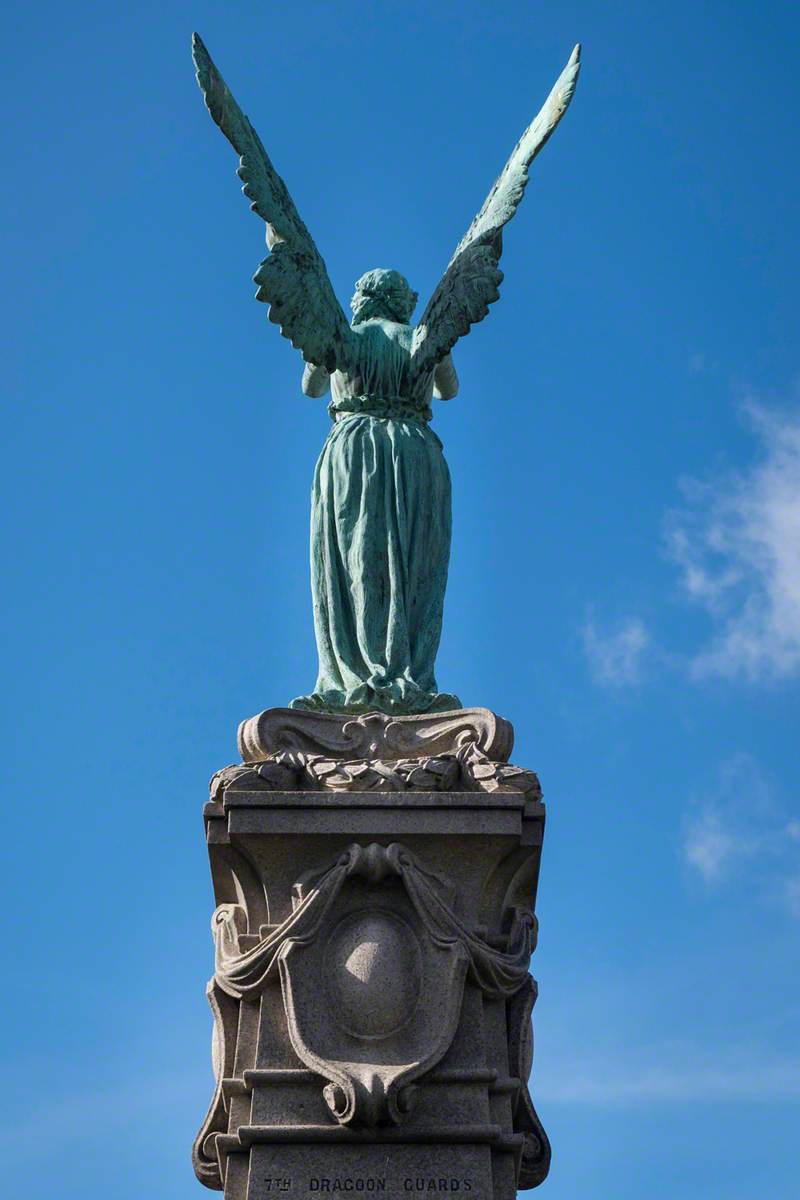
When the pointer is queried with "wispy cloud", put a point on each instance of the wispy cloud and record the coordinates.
(724, 839)
(711, 846)
(736, 541)
(616, 656)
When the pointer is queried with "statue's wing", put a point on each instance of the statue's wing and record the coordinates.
(292, 279)
(472, 279)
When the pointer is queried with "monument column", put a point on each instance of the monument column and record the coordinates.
(375, 880)
(375, 856)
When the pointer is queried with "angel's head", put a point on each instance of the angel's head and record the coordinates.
(383, 293)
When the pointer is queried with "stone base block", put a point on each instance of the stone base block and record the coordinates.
(371, 993)
(383, 1169)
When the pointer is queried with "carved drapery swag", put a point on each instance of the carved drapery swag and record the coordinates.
(498, 973)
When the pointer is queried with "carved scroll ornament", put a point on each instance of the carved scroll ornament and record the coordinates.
(375, 735)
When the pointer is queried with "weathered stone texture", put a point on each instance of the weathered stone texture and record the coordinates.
(371, 992)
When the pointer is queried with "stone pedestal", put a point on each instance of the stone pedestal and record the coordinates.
(375, 880)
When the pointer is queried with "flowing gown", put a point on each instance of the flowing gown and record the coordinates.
(380, 536)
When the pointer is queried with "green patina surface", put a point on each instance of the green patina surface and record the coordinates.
(380, 517)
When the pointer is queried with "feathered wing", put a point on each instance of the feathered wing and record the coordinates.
(292, 279)
(472, 279)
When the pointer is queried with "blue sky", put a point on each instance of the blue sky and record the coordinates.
(625, 581)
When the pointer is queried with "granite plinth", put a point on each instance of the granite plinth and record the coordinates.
(371, 992)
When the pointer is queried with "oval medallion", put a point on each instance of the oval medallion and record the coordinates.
(373, 972)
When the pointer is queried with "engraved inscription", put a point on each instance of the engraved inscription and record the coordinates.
(421, 1183)
(348, 1183)
(370, 1183)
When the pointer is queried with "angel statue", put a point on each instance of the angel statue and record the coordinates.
(380, 503)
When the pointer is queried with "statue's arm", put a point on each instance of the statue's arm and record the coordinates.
(316, 381)
(445, 379)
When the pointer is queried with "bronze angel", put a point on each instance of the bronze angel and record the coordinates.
(381, 510)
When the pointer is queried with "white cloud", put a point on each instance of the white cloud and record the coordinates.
(737, 543)
(710, 847)
(615, 658)
(724, 839)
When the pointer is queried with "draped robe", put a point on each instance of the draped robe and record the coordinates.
(380, 535)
